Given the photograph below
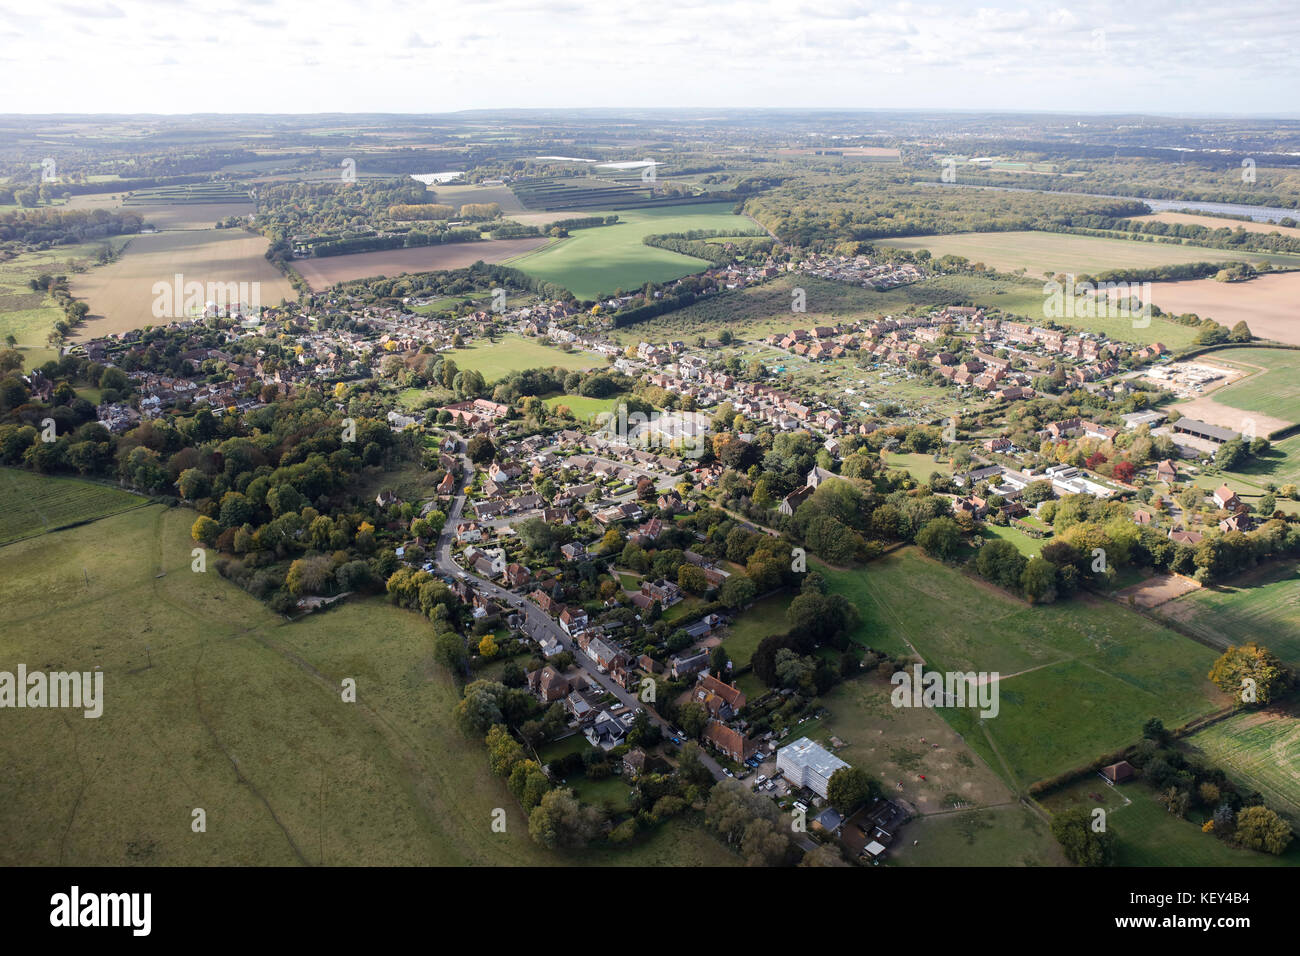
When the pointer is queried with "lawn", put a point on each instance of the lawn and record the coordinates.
(1260, 751)
(212, 701)
(1079, 677)
(993, 836)
(599, 261)
(514, 353)
(584, 408)
(1024, 543)
(1146, 834)
(763, 619)
(920, 467)
(1263, 605)
(32, 504)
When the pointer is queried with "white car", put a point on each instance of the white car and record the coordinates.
(762, 778)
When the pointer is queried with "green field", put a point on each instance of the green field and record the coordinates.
(513, 353)
(1146, 834)
(1274, 391)
(1079, 677)
(763, 619)
(212, 701)
(1024, 543)
(602, 260)
(30, 316)
(1279, 466)
(993, 836)
(1039, 252)
(583, 407)
(1263, 605)
(32, 504)
(1260, 751)
(759, 310)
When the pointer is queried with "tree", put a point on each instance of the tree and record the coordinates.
(850, 788)
(205, 531)
(481, 450)
(310, 575)
(1259, 828)
(487, 647)
(692, 579)
(737, 591)
(1038, 581)
(1251, 674)
(693, 718)
(559, 821)
(825, 854)
(940, 538)
(1080, 842)
(1001, 562)
(751, 823)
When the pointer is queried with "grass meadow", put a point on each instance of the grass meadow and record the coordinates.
(34, 504)
(1078, 678)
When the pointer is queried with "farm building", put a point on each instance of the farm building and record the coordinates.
(1204, 431)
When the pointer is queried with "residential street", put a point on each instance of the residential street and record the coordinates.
(536, 621)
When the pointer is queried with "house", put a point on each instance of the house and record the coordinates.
(722, 701)
(573, 620)
(1189, 538)
(606, 731)
(1224, 497)
(574, 551)
(577, 705)
(649, 664)
(1237, 522)
(1166, 472)
(548, 684)
(729, 742)
(517, 575)
(600, 652)
(664, 591)
(687, 666)
(448, 483)
(805, 764)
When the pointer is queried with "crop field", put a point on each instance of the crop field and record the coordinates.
(1265, 303)
(1260, 750)
(1146, 834)
(1079, 677)
(602, 260)
(1273, 390)
(1215, 222)
(513, 353)
(33, 504)
(324, 272)
(213, 702)
(121, 296)
(1040, 252)
(216, 192)
(1263, 605)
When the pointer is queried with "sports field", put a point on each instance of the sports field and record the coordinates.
(213, 702)
(513, 353)
(32, 504)
(121, 296)
(602, 260)
(1078, 678)
(1039, 252)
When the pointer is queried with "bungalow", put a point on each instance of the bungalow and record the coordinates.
(1189, 538)
(574, 551)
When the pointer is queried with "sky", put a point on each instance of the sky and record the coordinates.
(404, 56)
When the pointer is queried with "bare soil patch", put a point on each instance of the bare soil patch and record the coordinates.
(1158, 589)
(1216, 413)
(1266, 303)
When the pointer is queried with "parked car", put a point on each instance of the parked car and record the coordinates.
(762, 778)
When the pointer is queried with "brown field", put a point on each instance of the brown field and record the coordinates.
(1216, 413)
(885, 151)
(1267, 304)
(321, 273)
(1214, 222)
(121, 294)
(192, 215)
(459, 195)
(1158, 589)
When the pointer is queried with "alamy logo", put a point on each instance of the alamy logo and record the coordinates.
(951, 689)
(179, 299)
(79, 690)
(73, 909)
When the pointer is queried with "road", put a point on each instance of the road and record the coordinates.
(537, 622)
